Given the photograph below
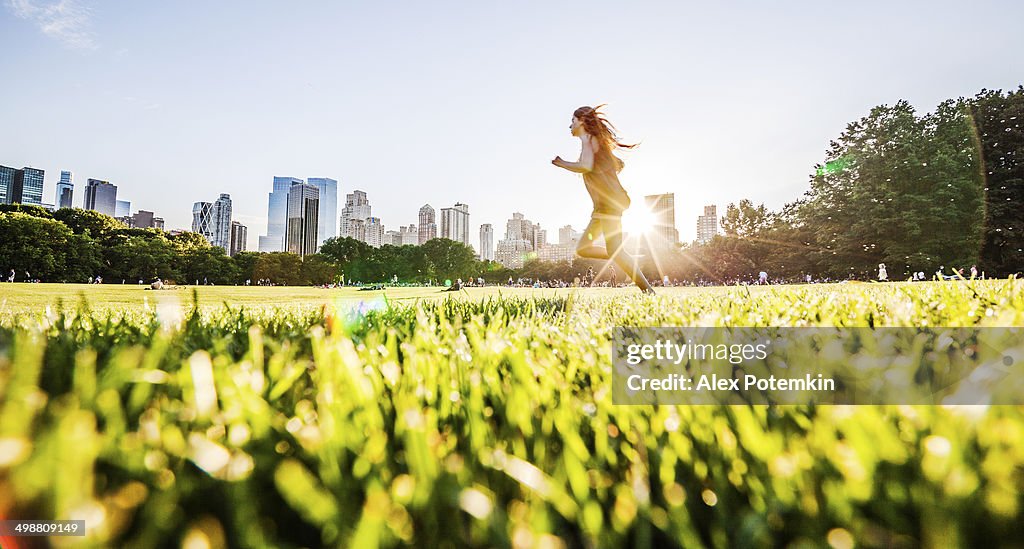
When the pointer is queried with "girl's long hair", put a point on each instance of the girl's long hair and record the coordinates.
(595, 124)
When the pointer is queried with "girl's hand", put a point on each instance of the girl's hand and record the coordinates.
(558, 161)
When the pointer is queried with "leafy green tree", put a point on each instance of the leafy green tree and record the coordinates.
(349, 255)
(280, 268)
(745, 220)
(414, 265)
(83, 259)
(139, 257)
(345, 250)
(318, 270)
(188, 241)
(205, 265)
(448, 259)
(999, 122)
(87, 221)
(30, 209)
(896, 189)
(790, 241)
(245, 264)
(33, 244)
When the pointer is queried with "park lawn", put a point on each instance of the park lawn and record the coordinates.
(480, 421)
(21, 298)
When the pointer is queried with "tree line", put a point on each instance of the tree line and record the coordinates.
(914, 192)
(76, 245)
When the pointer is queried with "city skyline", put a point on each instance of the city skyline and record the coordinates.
(727, 101)
(215, 220)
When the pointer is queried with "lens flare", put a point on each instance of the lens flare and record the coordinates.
(638, 220)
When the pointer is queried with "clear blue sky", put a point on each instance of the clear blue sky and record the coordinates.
(443, 102)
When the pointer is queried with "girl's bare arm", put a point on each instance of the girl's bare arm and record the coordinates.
(584, 164)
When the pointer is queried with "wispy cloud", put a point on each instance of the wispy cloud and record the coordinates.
(66, 20)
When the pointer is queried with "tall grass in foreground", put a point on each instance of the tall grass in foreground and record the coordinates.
(484, 424)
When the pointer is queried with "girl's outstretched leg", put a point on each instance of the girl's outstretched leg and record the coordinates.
(613, 238)
(586, 247)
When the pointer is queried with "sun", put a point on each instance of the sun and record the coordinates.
(638, 220)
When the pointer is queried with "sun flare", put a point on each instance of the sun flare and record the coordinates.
(638, 220)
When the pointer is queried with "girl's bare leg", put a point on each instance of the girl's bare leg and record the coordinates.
(612, 228)
(586, 247)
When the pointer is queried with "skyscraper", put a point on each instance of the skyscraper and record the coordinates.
(303, 219)
(328, 213)
(27, 187)
(220, 223)
(65, 191)
(513, 253)
(393, 238)
(6, 184)
(122, 208)
(357, 229)
(101, 196)
(566, 235)
(144, 219)
(516, 247)
(357, 208)
(410, 235)
(520, 228)
(277, 214)
(455, 223)
(239, 233)
(487, 242)
(427, 226)
(663, 207)
(707, 224)
(374, 232)
(202, 219)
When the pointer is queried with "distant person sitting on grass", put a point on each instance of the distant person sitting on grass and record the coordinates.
(600, 170)
(157, 284)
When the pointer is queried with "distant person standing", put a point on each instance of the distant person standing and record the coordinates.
(974, 271)
(600, 170)
(762, 278)
(882, 275)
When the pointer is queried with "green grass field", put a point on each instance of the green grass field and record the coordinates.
(296, 417)
(22, 298)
